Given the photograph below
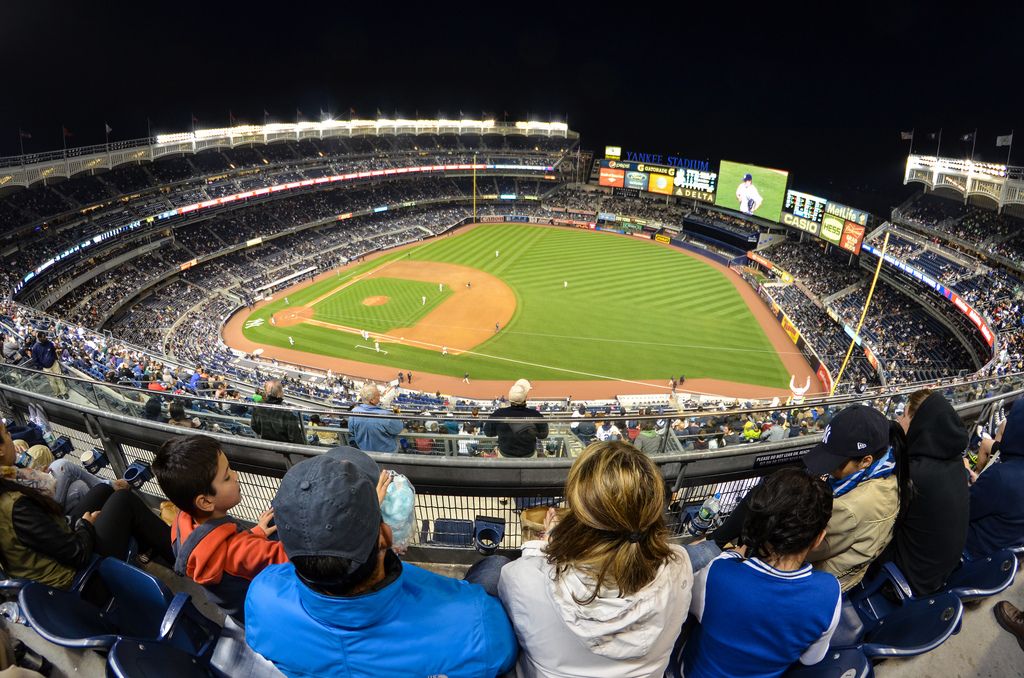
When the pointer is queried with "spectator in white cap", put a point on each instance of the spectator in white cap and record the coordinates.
(517, 426)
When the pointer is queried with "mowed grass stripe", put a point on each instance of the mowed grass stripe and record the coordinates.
(632, 310)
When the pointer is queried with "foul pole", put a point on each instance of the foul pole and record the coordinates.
(863, 314)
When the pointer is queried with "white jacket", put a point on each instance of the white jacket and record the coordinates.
(611, 637)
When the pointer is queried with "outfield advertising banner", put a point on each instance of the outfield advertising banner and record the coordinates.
(752, 190)
(832, 229)
(790, 329)
(825, 378)
(853, 236)
(611, 176)
(803, 224)
(694, 184)
(846, 213)
(660, 183)
(637, 180)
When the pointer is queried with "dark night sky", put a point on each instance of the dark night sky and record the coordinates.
(821, 93)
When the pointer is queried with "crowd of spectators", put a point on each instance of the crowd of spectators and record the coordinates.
(173, 182)
(912, 344)
(826, 337)
(823, 269)
(599, 590)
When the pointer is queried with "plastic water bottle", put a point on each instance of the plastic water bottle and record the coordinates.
(705, 517)
(11, 612)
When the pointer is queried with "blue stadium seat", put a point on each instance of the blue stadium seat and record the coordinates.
(850, 630)
(918, 626)
(151, 659)
(136, 608)
(139, 607)
(872, 603)
(984, 577)
(847, 663)
(453, 532)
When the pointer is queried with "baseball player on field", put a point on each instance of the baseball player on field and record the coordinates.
(748, 196)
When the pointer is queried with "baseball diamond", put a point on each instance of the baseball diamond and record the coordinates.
(634, 309)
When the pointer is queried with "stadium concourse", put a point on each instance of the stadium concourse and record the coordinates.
(120, 284)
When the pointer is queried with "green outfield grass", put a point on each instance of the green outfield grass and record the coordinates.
(404, 308)
(633, 310)
(770, 183)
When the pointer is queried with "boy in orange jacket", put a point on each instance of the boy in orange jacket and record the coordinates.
(210, 547)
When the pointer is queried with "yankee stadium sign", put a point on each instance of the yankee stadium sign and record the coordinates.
(670, 160)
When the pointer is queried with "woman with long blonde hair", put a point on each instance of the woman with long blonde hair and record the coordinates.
(603, 593)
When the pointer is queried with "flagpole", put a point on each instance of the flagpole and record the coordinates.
(974, 143)
(938, 147)
(911, 141)
(1010, 150)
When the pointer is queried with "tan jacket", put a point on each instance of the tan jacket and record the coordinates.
(860, 528)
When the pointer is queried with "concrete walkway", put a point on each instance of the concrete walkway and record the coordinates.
(982, 649)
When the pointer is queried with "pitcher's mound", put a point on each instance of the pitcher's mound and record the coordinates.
(376, 301)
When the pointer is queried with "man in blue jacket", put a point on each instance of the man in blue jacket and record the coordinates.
(374, 434)
(44, 354)
(347, 606)
(997, 498)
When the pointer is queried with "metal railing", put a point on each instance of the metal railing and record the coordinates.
(454, 483)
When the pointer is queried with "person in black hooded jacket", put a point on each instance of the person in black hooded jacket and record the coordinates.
(929, 539)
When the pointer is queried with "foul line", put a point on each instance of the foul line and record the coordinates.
(604, 377)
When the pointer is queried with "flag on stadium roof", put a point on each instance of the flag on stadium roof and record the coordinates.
(1004, 139)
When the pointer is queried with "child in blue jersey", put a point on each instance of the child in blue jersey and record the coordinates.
(762, 608)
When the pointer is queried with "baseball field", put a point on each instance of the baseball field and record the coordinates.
(504, 301)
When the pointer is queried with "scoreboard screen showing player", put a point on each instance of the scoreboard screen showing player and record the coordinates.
(805, 205)
(751, 190)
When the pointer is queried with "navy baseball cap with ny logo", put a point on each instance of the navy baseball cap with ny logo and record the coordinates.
(855, 432)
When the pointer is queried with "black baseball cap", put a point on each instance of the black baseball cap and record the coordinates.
(327, 506)
(857, 431)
